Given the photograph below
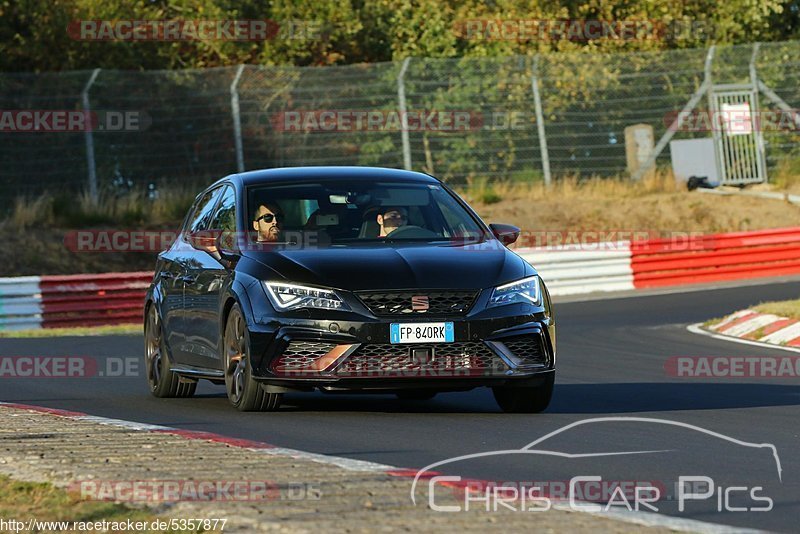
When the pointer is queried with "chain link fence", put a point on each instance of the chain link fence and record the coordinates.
(195, 126)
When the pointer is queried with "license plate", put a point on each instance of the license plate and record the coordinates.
(421, 333)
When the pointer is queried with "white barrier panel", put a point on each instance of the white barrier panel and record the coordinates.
(20, 306)
(19, 286)
(20, 323)
(583, 268)
(20, 303)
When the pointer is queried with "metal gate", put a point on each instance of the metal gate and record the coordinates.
(738, 138)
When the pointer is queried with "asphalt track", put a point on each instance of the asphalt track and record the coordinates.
(611, 363)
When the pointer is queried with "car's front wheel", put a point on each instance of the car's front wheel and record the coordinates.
(525, 399)
(244, 393)
(162, 381)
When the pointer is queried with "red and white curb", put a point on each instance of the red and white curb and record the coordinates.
(755, 328)
(647, 519)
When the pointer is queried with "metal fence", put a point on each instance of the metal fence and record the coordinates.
(198, 125)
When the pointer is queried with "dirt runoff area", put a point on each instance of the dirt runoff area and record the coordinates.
(278, 490)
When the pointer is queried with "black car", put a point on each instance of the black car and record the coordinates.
(346, 279)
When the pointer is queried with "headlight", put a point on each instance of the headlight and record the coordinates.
(291, 297)
(524, 291)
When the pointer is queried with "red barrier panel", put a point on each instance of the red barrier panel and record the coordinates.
(696, 260)
(93, 299)
(716, 257)
(101, 296)
(772, 236)
(94, 282)
(95, 319)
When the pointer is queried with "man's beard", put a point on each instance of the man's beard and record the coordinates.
(271, 235)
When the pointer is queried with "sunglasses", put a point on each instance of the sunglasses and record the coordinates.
(269, 217)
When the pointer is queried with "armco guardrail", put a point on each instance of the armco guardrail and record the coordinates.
(583, 268)
(97, 299)
(595, 267)
(716, 257)
(72, 300)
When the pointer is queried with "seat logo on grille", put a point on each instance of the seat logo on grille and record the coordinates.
(420, 303)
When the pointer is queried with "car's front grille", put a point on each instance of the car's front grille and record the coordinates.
(420, 302)
(528, 349)
(301, 354)
(448, 360)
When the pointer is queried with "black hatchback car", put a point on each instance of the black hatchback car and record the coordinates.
(346, 279)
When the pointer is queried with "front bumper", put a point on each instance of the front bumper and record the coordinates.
(357, 355)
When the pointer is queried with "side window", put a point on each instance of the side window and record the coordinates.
(225, 215)
(205, 208)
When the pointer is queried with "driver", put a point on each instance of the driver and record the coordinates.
(390, 218)
(268, 222)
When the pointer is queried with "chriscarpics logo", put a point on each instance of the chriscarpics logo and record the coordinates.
(615, 465)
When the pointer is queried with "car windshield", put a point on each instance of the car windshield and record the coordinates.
(353, 212)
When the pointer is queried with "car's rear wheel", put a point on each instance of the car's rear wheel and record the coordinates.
(416, 394)
(525, 399)
(162, 381)
(244, 393)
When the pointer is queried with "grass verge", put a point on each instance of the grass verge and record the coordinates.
(784, 308)
(26, 501)
(711, 322)
(110, 330)
(656, 205)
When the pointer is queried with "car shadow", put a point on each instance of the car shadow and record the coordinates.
(606, 398)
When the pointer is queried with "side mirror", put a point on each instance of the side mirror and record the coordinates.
(227, 247)
(204, 241)
(505, 233)
(218, 245)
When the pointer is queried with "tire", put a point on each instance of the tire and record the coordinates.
(162, 381)
(525, 399)
(244, 393)
(416, 394)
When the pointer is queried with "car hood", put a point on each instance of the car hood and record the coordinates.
(398, 266)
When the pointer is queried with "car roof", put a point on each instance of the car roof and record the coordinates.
(284, 174)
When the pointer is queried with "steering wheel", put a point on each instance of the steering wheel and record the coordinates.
(410, 231)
